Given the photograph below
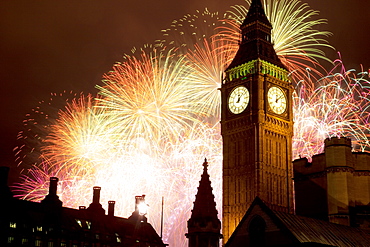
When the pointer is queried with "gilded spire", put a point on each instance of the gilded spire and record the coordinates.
(256, 40)
(256, 12)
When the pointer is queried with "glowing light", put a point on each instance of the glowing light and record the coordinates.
(142, 207)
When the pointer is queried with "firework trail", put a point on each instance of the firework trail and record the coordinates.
(69, 146)
(156, 119)
(36, 127)
(162, 88)
(75, 138)
(211, 46)
(102, 142)
(296, 40)
(191, 30)
(154, 94)
(209, 60)
(335, 105)
(206, 54)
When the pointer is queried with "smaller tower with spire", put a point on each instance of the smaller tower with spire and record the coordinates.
(204, 227)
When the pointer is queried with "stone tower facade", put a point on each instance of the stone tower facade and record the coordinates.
(256, 124)
(204, 227)
(335, 185)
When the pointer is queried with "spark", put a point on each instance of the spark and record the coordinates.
(153, 94)
(335, 105)
(296, 40)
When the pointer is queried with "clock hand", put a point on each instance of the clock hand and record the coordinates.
(277, 98)
(238, 99)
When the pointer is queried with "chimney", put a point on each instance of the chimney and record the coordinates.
(139, 200)
(96, 194)
(141, 209)
(53, 186)
(52, 198)
(4, 188)
(111, 208)
(95, 207)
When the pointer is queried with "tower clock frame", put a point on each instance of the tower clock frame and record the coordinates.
(257, 136)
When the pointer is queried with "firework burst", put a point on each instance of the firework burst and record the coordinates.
(75, 139)
(209, 60)
(153, 95)
(36, 127)
(191, 29)
(296, 40)
(155, 119)
(335, 105)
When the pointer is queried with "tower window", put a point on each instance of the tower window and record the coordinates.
(268, 37)
(13, 225)
(245, 37)
(24, 241)
(38, 242)
(118, 238)
(257, 229)
(79, 222)
(10, 240)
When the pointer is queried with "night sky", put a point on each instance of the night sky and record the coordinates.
(51, 46)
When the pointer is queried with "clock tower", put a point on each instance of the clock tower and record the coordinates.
(256, 124)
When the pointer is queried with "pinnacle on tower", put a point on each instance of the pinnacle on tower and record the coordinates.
(204, 204)
(256, 42)
(256, 12)
(204, 226)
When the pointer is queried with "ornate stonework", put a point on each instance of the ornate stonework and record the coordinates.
(257, 142)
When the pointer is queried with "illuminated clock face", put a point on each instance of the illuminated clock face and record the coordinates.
(277, 100)
(238, 99)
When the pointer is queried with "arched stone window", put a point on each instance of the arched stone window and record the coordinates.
(257, 228)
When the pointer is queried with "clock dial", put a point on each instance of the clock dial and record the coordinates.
(277, 100)
(238, 99)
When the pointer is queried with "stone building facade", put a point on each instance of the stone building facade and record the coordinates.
(335, 185)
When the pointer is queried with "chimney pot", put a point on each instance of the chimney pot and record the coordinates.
(111, 208)
(53, 186)
(95, 206)
(96, 194)
(52, 196)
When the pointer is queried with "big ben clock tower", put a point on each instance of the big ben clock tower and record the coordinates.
(256, 124)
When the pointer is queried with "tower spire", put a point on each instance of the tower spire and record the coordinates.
(256, 124)
(256, 12)
(204, 226)
(256, 40)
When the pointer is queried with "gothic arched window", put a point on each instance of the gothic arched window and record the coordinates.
(257, 228)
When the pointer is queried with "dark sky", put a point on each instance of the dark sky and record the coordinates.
(51, 46)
